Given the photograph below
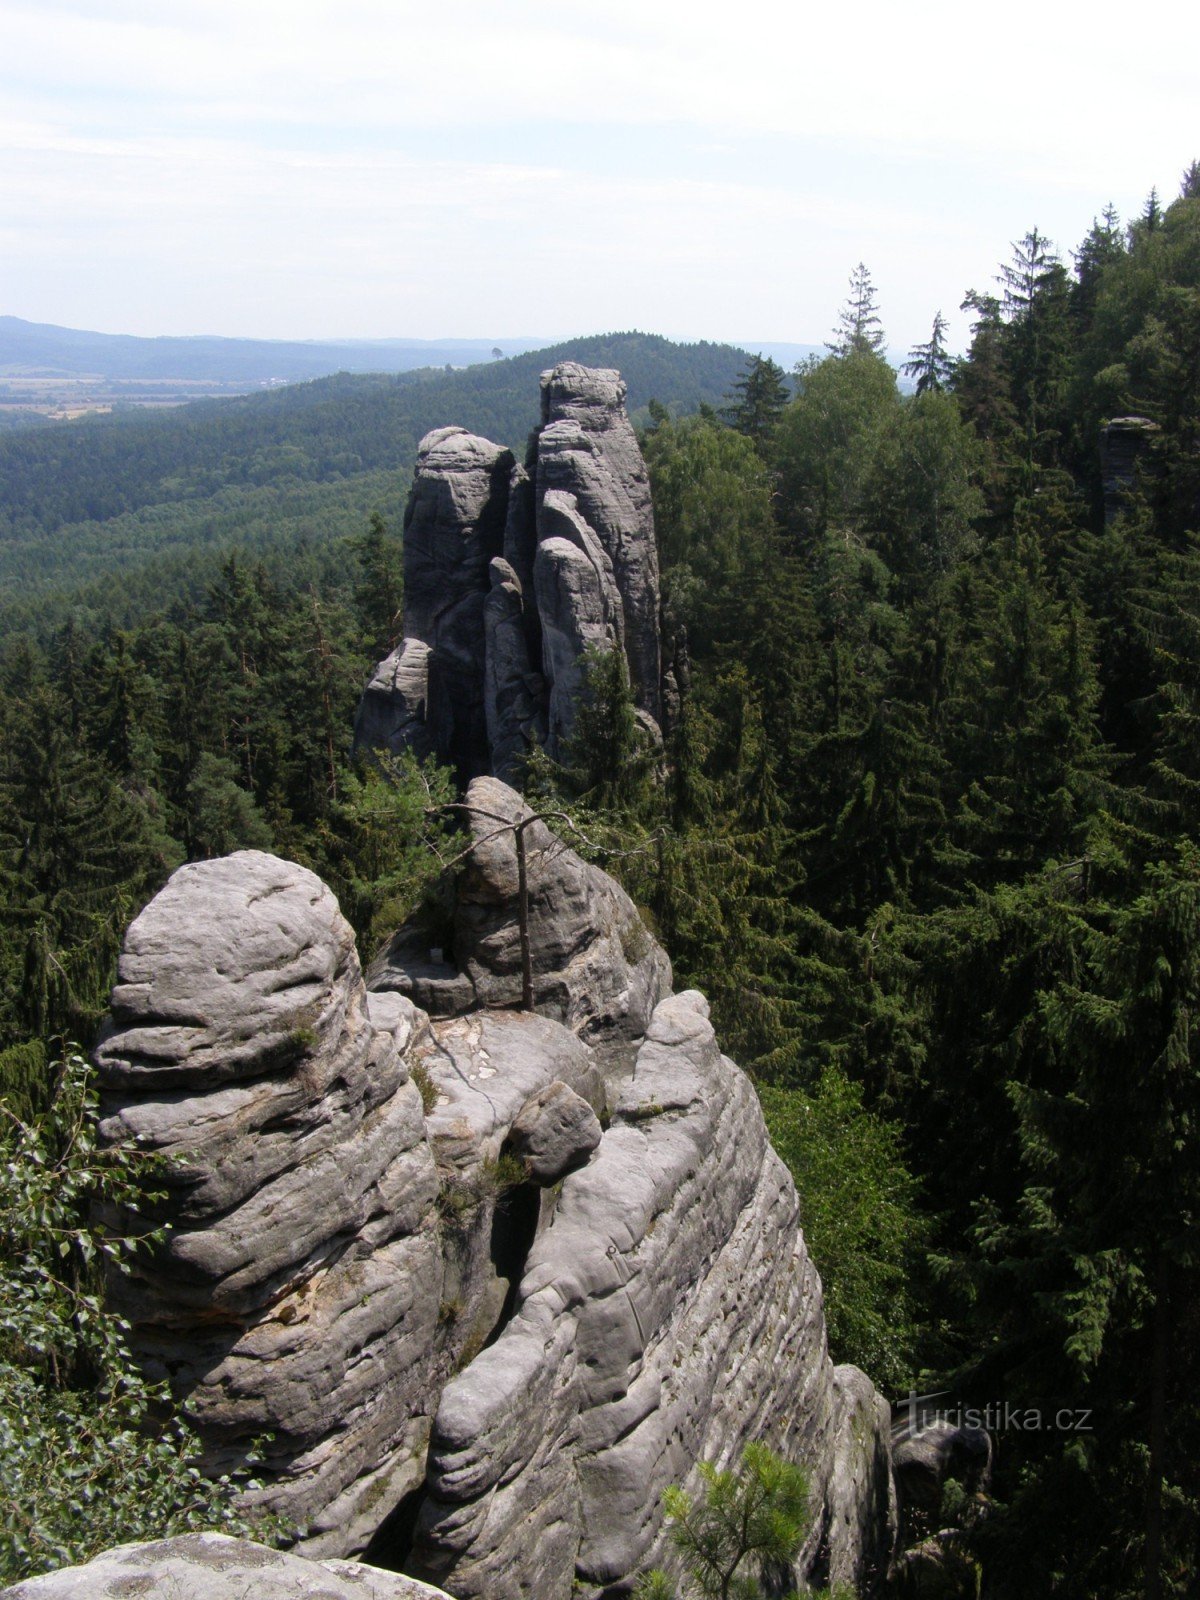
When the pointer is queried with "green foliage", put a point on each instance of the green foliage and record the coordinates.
(715, 526)
(758, 399)
(740, 1532)
(93, 1455)
(380, 841)
(825, 439)
(378, 594)
(930, 365)
(859, 330)
(861, 1220)
(222, 816)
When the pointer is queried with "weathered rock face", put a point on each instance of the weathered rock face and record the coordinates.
(511, 575)
(587, 448)
(298, 1291)
(212, 1566)
(1123, 441)
(632, 1381)
(496, 1276)
(514, 693)
(453, 528)
(595, 967)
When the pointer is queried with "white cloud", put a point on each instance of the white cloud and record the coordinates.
(187, 149)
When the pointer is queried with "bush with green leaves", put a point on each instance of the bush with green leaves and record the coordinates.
(93, 1454)
(739, 1537)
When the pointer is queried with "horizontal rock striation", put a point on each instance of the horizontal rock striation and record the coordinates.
(587, 449)
(493, 1278)
(669, 1315)
(512, 575)
(297, 1292)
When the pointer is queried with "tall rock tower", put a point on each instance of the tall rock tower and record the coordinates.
(512, 574)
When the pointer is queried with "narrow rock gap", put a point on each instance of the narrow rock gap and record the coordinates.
(514, 1227)
(391, 1543)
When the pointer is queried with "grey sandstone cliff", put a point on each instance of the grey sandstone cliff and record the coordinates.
(513, 574)
(489, 1331)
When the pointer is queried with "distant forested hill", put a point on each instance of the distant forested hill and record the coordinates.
(148, 495)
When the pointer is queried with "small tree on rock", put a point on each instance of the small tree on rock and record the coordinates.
(745, 1527)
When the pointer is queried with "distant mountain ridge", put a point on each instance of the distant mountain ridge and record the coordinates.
(44, 347)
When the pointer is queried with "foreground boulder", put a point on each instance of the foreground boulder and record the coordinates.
(212, 1566)
(669, 1315)
(297, 1293)
(512, 575)
(492, 1278)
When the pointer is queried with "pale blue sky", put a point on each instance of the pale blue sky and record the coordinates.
(382, 168)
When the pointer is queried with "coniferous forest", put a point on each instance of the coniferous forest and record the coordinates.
(928, 834)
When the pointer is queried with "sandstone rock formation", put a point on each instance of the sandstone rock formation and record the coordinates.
(633, 1381)
(511, 575)
(212, 1566)
(453, 527)
(298, 1292)
(596, 969)
(587, 449)
(493, 1278)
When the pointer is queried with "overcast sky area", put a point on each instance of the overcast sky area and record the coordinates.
(377, 168)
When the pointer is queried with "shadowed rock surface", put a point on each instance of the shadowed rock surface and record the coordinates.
(587, 448)
(511, 575)
(490, 1318)
(453, 528)
(633, 1376)
(1123, 442)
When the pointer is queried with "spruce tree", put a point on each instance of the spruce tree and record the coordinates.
(758, 400)
(859, 330)
(930, 364)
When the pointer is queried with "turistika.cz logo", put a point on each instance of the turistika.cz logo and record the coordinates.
(919, 1412)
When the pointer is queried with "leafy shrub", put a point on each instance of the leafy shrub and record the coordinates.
(93, 1454)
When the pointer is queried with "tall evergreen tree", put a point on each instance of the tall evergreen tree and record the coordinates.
(930, 364)
(758, 400)
(859, 330)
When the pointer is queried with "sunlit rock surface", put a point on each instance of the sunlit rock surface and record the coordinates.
(493, 1279)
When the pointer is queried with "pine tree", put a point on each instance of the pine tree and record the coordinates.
(1036, 303)
(378, 594)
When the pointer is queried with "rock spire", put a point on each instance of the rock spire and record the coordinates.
(512, 574)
